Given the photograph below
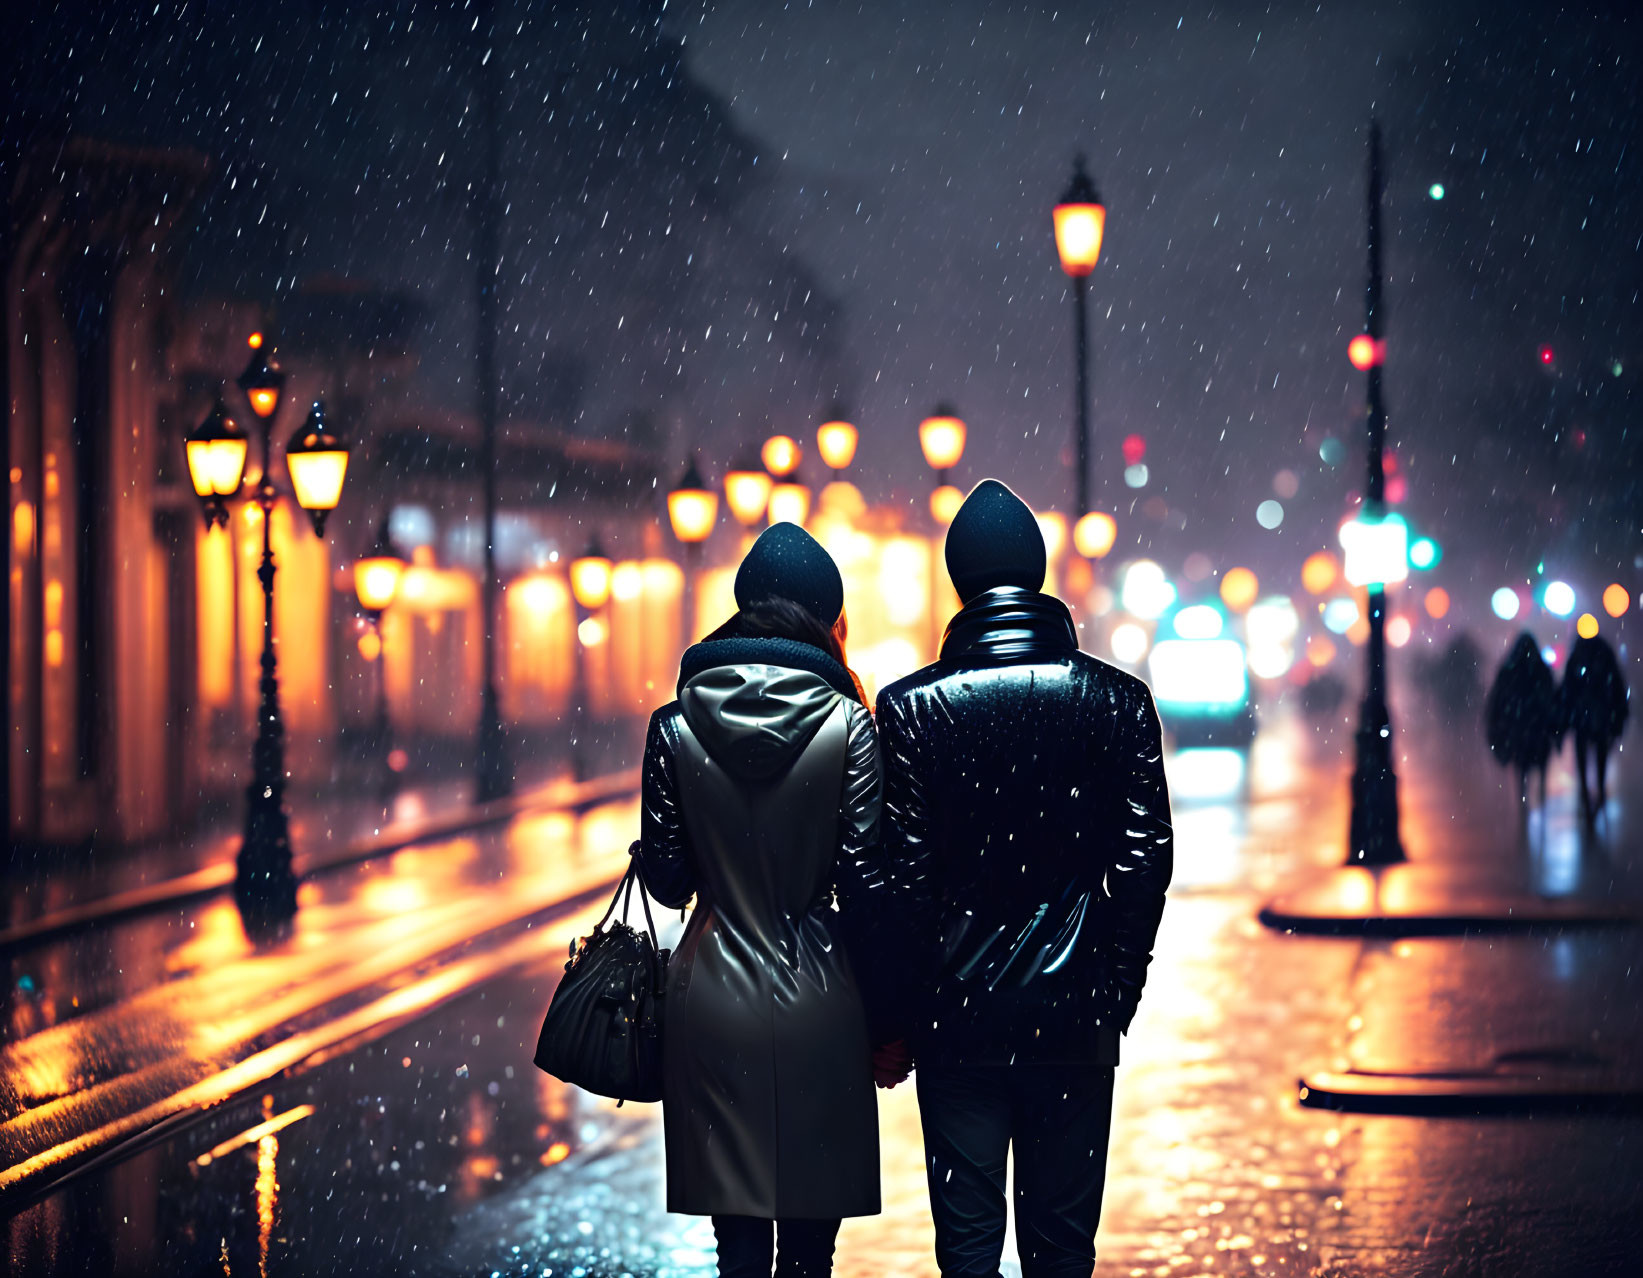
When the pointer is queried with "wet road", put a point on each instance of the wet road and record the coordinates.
(436, 1148)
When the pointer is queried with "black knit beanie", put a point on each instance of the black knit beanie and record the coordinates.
(788, 563)
(994, 541)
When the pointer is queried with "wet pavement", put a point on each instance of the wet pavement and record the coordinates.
(426, 1143)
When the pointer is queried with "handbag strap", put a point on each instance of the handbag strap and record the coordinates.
(624, 896)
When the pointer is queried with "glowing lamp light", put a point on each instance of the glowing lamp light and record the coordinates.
(1239, 588)
(1203, 674)
(781, 455)
(1504, 603)
(1377, 550)
(944, 504)
(747, 491)
(1134, 449)
(1586, 627)
(318, 461)
(1365, 352)
(378, 573)
(841, 500)
(1146, 591)
(1319, 572)
(215, 451)
(1080, 224)
(1200, 621)
(693, 507)
(1129, 643)
(1558, 598)
(1437, 603)
(941, 436)
(1616, 600)
(592, 632)
(591, 577)
(1052, 527)
(1094, 534)
(789, 504)
(836, 442)
(261, 380)
(1424, 553)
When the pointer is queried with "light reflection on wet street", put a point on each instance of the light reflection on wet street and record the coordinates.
(437, 1148)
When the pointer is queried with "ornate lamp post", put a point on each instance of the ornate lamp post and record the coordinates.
(1374, 827)
(692, 509)
(317, 461)
(376, 584)
(1080, 223)
(590, 580)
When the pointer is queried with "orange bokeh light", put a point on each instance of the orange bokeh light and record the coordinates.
(1437, 602)
(1616, 600)
(1320, 572)
(1586, 627)
(1239, 588)
(1365, 352)
(781, 454)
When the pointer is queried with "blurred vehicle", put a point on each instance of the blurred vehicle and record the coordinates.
(1200, 680)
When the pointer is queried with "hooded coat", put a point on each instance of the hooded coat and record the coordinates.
(761, 795)
(1027, 819)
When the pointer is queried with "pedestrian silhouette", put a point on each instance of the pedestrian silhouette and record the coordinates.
(1593, 704)
(1521, 715)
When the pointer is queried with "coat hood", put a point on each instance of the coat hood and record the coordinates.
(753, 720)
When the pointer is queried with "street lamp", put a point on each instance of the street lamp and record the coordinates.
(781, 455)
(941, 437)
(317, 461)
(590, 582)
(216, 451)
(1080, 223)
(789, 503)
(1373, 836)
(836, 442)
(747, 493)
(692, 509)
(377, 575)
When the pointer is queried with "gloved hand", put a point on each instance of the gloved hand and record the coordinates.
(892, 1063)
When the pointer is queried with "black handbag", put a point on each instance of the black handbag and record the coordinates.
(603, 1030)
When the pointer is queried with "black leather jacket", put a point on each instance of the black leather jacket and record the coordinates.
(1027, 820)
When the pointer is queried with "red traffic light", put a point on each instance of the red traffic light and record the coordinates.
(1135, 448)
(1365, 352)
(1546, 355)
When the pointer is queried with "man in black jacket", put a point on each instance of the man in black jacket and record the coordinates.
(1027, 818)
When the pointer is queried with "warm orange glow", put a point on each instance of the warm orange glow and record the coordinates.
(555, 1153)
(1052, 526)
(836, 442)
(1365, 352)
(1437, 603)
(1078, 232)
(54, 648)
(1320, 651)
(1239, 588)
(590, 580)
(254, 341)
(376, 581)
(748, 493)
(1586, 627)
(216, 466)
(944, 504)
(1616, 600)
(264, 400)
(842, 500)
(781, 455)
(1094, 534)
(592, 631)
(789, 504)
(370, 645)
(941, 436)
(22, 527)
(1358, 632)
(316, 476)
(692, 512)
(1320, 572)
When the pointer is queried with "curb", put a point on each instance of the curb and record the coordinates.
(1468, 1095)
(219, 877)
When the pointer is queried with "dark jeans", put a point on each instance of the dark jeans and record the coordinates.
(746, 1246)
(1058, 1118)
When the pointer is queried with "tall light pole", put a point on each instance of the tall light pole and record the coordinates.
(1374, 826)
(265, 885)
(1080, 223)
(494, 770)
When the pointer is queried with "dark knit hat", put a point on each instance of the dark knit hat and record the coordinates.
(994, 541)
(788, 563)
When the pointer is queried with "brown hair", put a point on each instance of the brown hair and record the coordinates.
(777, 618)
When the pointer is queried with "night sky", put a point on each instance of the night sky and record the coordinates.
(721, 216)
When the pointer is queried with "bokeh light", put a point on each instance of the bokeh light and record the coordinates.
(1586, 627)
(1398, 631)
(1146, 591)
(1136, 476)
(1319, 651)
(1437, 602)
(1423, 552)
(1340, 614)
(1320, 571)
(1616, 600)
(1504, 603)
(1239, 589)
(1129, 643)
(1435, 190)
(1558, 598)
(1269, 514)
(1094, 534)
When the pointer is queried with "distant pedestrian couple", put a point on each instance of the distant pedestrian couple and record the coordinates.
(1529, 713)
(971, 881)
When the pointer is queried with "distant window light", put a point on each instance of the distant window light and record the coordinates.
(411, 526)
